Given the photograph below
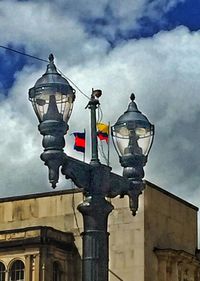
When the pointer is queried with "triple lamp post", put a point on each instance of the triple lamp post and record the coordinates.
(52, 98)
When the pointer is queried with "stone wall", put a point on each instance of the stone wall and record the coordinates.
(163, 221)
(169, 223)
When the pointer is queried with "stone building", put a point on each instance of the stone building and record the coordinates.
(40, 238)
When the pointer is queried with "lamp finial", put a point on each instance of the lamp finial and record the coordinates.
(132, 97)
(51, 58)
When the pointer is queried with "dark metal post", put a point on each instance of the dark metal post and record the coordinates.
(95, 211)
(92, 105)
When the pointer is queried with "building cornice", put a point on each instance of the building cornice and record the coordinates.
(40, 195)
(178, 255)
(36, 236)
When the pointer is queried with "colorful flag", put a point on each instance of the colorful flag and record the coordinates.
(102, 131)
(79, 142)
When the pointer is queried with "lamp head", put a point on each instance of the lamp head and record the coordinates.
(52, 96)
(133, 136)
(52, 99)
(132, 133)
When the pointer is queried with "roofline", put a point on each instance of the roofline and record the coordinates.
(154, 186)
(37, 227)
(45, 236)
(38, 194)
(78, 190)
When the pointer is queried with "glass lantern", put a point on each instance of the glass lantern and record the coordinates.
(52, 96)
(132, 133)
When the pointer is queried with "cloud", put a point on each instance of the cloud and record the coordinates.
(60, 21)
(156, 9)
(47, 31)
(162, 71)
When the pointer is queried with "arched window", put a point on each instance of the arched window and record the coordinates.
(2, 272)
(56, 271)
(16, 272)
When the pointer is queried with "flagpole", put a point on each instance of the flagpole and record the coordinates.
(108, 162)
(85, 147)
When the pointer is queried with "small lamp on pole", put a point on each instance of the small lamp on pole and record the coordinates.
(52, 99)
(133, 137)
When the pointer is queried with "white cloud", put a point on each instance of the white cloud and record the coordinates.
(162, 71)
(43, 27)
(47, 31)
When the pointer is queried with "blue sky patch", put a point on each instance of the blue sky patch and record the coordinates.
(187, 14)
(11, 62)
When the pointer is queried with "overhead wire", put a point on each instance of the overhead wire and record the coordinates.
(22, 53)
(73, 207)
(99, 114)
(43, 60)
(100, 145)
(102, 153)
(73, 84)
(114, 274)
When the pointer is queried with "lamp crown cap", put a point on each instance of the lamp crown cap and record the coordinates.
(132, 97)
(51, 58)
(51, 68)
(132, 105)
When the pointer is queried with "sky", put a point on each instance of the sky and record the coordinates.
(149, 47)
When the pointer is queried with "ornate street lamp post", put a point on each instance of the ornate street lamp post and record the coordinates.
(52, 98)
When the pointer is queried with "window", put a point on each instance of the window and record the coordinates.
(2, 272)
(16, 272)
(56, 272)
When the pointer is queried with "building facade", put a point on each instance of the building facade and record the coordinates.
(36, 253)
(40, 238)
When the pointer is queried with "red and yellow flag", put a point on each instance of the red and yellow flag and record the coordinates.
(102, 131)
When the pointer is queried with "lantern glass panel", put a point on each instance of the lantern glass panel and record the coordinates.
(124, 136)
(64, 104)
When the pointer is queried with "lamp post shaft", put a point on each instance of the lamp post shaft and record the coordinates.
(93, 103)
(95, 211)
